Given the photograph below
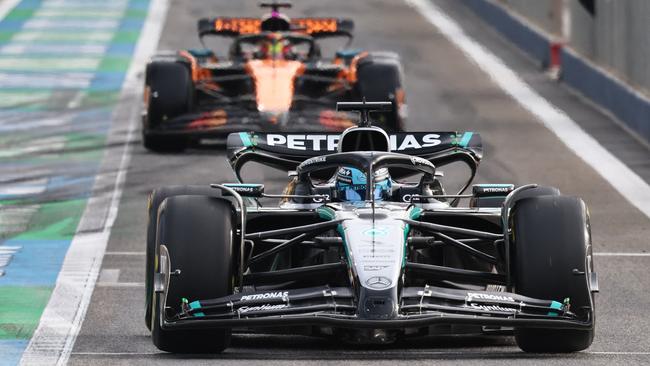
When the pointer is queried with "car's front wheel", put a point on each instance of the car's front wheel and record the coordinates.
(198, 233)
(553, 260)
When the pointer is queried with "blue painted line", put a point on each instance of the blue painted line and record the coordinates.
(37, 264)
(120, 49)
(11, 351)
(131, 24)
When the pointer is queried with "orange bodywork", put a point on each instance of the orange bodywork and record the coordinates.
(274, 81)
(254, 25)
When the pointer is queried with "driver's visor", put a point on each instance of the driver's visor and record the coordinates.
(357, 192)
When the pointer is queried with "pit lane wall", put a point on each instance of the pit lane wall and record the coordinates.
(600, 48)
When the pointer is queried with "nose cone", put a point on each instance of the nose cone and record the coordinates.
(274, 81)
(376, 249)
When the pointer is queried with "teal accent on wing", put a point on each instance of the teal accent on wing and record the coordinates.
(325, 213)
(407, 228)
(198, 315)
(415, 213)
(194, 305)
(465, 140)
(341, 231)
(246, 139)
(554, 305)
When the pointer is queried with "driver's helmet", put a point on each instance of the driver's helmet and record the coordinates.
(351, 186)
(274, 47)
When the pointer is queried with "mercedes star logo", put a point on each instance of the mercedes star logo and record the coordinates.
(378, 282)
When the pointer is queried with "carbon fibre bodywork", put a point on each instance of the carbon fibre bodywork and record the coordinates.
(414, 263)
(258, 88)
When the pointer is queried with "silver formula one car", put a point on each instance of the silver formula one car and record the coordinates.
(357, 250)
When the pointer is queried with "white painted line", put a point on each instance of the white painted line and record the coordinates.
(125, 253)
(41, 63)
(14, 220)
(46, 145)
(116, 353)
(109, 275)
(30, 187)
(15, 126)
(80, 13)
(121, 284)
(57, 49)
(74, 24)
(616, 353)
(604, 353)
(46, 80)
(35, 36)
(7, 6)
(63, 316)
(75, 102)
(100, 4)
(622, 178)
(621, 254)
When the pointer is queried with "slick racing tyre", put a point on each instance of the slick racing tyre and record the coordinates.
(155, 199)
(552, 260)
(379, 79)
(170, 94)
(198, 233)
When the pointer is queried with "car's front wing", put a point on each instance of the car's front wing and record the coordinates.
(337, 307)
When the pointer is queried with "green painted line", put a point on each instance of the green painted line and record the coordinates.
(20, 14)
(115, 64)
(21, 310)
(27, 101)
(55, 221)
(126, 37)
(96, 99)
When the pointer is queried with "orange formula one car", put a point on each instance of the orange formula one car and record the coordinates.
(274, 79)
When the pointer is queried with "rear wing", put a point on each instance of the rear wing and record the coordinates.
(286, 151)
(315, 27)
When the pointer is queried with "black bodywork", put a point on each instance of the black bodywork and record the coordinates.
(299, 264)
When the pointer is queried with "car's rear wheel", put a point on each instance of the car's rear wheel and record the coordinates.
(552, 260)
(198, 233)
(379, 79)
(155, 200)
(170, 94)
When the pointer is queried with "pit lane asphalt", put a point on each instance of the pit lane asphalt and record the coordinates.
(445, 92)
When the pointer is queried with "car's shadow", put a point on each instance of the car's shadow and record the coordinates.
(280, 347)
